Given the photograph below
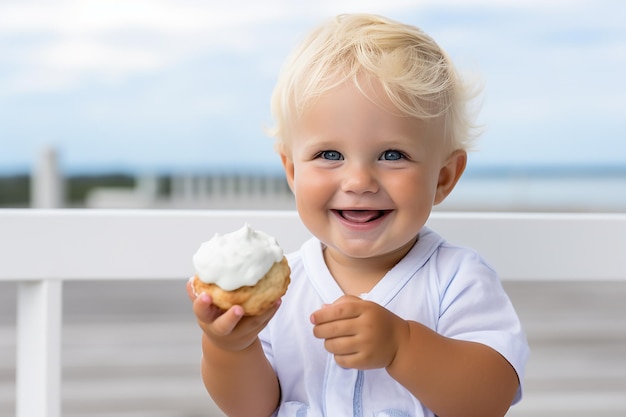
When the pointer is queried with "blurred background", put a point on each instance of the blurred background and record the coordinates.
(163, 104)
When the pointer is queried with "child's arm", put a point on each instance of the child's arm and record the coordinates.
(450, 377)
(462, 378)
(234, 368)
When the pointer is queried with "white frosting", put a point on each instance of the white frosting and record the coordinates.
(236, 259)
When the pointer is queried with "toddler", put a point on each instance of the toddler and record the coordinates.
(383, 317)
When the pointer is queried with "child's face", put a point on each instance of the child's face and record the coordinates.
(364, 179)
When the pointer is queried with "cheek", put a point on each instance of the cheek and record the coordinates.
(312, 186)
(413, 189)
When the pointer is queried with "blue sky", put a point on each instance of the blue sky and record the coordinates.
(158, 86)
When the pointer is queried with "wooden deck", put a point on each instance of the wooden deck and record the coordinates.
(132, 350)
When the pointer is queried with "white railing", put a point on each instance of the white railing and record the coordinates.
(39, 249)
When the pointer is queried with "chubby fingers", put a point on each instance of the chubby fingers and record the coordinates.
(345, 307)
(222, 322)
(337, 320)
(337, 325)
(225, 322)
(214, 319)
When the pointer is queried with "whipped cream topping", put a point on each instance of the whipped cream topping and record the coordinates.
(236, 259)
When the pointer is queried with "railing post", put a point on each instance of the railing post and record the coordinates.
(47, 189)
(38, 375)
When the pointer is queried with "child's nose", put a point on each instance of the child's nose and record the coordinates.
(359, 178)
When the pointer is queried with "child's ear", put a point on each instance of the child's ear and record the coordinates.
(450, 174)
(288, 166)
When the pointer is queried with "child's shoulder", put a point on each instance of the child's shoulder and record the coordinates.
(454, 261)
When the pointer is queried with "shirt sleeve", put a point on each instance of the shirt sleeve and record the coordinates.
(475, 307)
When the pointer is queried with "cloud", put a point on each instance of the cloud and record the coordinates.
(148, 71)
(54, 46)
(62, 43)
(59, 45)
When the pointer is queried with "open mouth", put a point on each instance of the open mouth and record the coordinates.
(361, 216)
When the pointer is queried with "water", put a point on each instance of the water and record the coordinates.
(542, 190)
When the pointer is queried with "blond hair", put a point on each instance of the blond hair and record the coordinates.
(414, 71)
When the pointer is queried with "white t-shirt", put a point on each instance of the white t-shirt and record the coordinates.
(447, 288)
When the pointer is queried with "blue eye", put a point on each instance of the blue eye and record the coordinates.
(391, 155)
(331, 155)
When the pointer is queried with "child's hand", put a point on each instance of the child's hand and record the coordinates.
(361, 334)
(228, 330)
